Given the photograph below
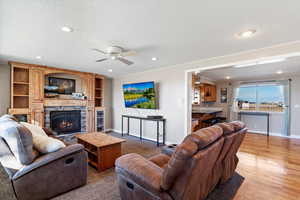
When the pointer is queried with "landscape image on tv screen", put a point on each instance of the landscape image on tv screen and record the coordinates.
(139, 95)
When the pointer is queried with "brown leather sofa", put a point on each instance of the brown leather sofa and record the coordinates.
(203, 160)
(48, 175)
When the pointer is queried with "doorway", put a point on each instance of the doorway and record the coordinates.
(262, 94)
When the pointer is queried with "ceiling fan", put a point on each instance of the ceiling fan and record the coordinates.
(116, 53)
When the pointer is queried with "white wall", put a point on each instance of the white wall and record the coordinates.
(170, 94)
(259, 123)
(4, 88)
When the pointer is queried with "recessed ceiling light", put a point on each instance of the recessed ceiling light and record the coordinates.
(154, 58)
(110, 70)
(247, 33)
(279, 72)
(38, 57)
(66, 29)
(227, 77)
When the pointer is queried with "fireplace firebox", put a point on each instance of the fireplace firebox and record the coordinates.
(65, 122)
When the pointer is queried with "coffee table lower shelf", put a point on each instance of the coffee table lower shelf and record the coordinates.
(92, 163)
(101, 154)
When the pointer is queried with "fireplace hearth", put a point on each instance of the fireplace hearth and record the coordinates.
(65, 122)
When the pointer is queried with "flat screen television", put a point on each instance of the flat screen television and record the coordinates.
(140, 95)
(63, 85)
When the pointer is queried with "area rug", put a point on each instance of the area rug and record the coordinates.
(103, 186)
(228, 190)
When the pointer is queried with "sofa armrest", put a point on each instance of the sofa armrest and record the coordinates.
(140, 170)
(169, 149)
(48, 158)
(6, 191)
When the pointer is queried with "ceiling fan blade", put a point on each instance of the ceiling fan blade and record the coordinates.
(129, 53)
(125, 61)
(99, 51)
(101, 60)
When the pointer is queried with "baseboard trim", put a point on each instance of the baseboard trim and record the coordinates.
(108, 130)
(275, 134)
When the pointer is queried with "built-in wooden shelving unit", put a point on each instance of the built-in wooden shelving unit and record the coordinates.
(20, 87)
(28, 101)
(99, 91)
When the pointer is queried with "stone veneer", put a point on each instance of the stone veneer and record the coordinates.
(65, 108)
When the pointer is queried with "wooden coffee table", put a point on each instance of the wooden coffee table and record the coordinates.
(102, 149)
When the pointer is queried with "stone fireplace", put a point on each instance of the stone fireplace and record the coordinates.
(65, 120)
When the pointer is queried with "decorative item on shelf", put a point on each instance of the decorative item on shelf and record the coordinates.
(78, 95)
(51, 95)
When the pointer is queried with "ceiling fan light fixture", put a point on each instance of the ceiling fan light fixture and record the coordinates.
(154, 58)
(279, 72)
(116, 53)
(247, 33)
(67, 29)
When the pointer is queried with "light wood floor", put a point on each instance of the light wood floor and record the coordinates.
(271, 168)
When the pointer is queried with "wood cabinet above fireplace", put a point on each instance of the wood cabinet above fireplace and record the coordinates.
(28, 92)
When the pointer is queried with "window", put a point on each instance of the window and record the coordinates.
(264, 97)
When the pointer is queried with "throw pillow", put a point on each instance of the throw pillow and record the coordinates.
(45, 144)
(35, 130)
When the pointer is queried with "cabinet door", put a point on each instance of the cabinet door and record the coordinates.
(213, 92)
(37, 118)
(90, 119)
(36, 85)
(37, 114)
(209, 93)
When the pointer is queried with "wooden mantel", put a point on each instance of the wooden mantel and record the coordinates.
(65, 102)
(27, 92)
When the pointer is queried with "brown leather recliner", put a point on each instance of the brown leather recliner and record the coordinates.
(203, 160)
(47, 176)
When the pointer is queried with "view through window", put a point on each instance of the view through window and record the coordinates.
(268, 98)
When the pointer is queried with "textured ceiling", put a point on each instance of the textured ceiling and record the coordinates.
(174, 31)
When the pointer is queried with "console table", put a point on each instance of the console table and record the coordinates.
(267, 114)
(141, 126)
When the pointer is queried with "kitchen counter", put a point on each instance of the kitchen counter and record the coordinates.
(203, 113)
(207, 111)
